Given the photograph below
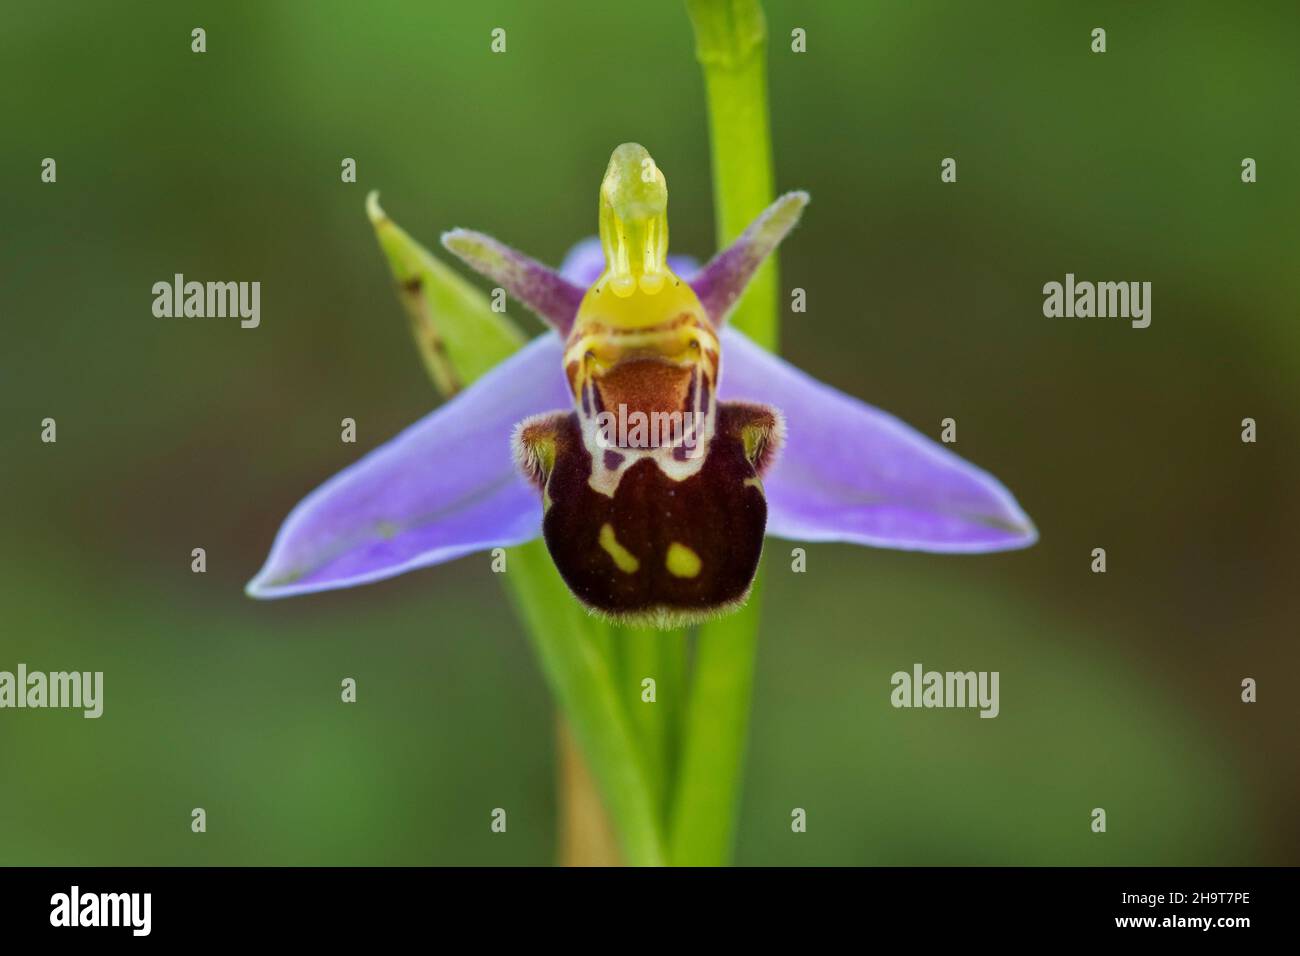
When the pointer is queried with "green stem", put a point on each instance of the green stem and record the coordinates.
(715, 732)
(577, 669)
(660, 655)
(730, 43)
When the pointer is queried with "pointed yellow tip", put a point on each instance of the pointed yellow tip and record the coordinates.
(477, 251)
(458, 241)
(373, 209)
(789, 207)
(634, 222)
(798, 197)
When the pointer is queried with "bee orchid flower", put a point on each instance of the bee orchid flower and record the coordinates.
(651, 445)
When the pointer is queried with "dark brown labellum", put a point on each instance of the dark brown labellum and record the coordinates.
(658, 551)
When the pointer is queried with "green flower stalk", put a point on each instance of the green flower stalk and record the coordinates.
(730, 43)
(731, 46)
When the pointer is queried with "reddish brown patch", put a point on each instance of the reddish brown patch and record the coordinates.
(646, 385)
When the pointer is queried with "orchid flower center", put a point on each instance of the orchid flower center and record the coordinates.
(642, 344)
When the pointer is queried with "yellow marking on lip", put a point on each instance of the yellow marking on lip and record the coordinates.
(623, 558)
(639, 309)
(682, 562)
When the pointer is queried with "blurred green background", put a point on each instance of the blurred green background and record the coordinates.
(1118, 690)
